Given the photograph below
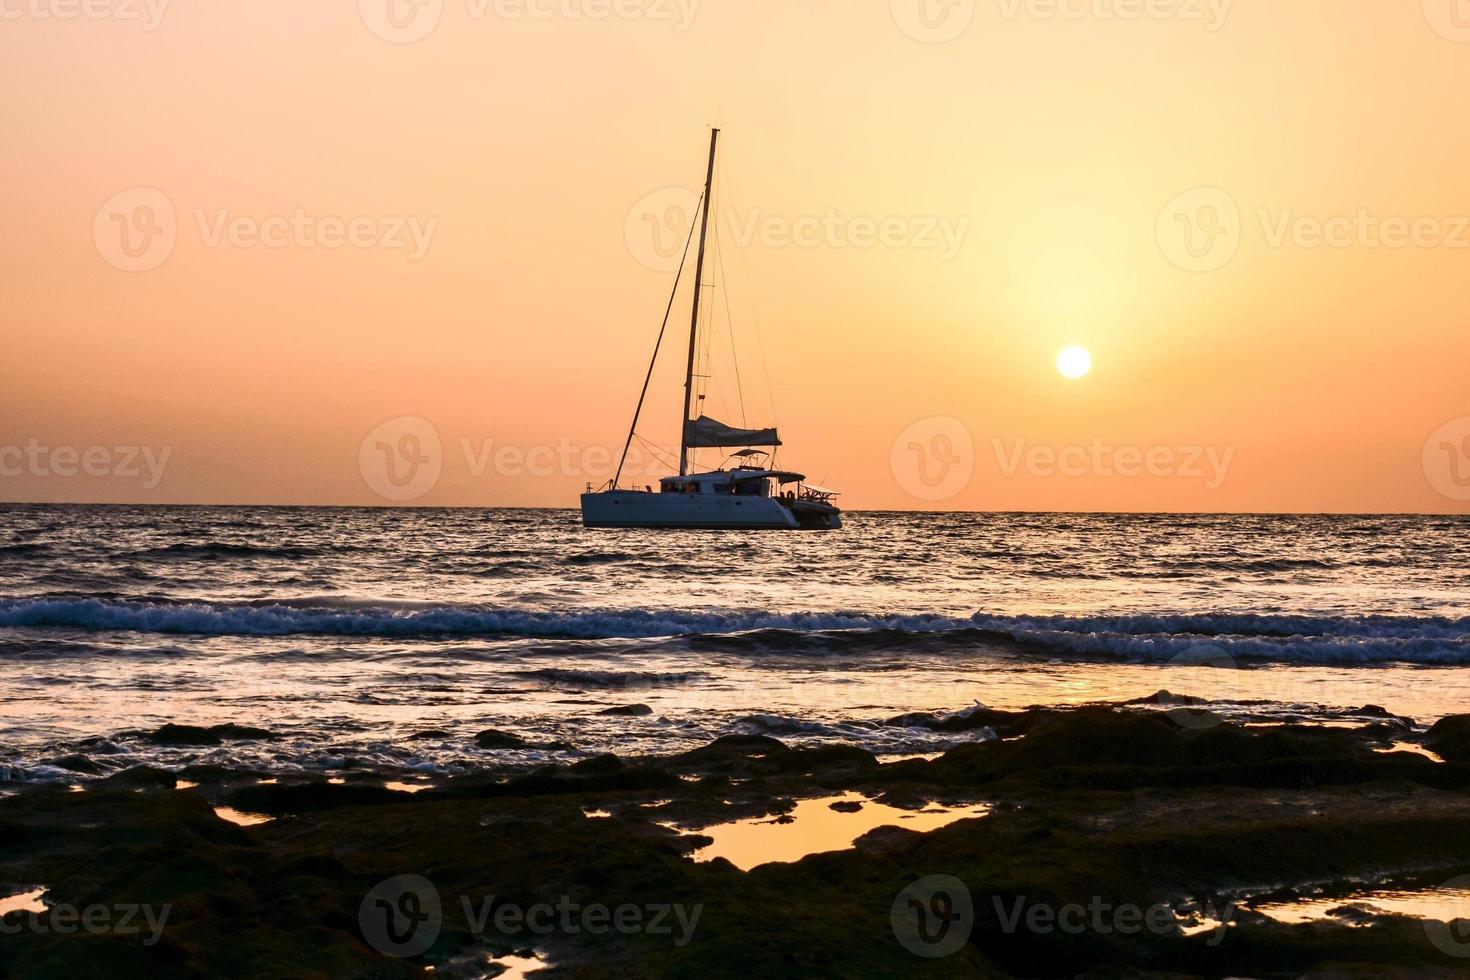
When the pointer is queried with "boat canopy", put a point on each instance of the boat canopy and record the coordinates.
(738, 474)
(706, 433)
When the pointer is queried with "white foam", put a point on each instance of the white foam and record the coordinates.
(1160, 638)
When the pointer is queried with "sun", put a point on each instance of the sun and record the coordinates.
(1074, 362)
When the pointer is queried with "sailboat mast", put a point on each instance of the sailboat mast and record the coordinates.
(709, 183)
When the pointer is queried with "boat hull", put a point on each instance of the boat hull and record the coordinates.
(690, 511)
(815, 516)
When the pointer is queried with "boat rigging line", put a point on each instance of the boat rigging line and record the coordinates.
(657, 344)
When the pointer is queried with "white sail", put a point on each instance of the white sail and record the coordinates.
(706, 433)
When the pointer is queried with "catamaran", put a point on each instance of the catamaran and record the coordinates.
(747, 491)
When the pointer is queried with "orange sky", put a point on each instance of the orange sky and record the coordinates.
(352, 227)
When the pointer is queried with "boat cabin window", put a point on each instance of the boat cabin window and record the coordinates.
(760, 487)
(750, 486)
(675, 486)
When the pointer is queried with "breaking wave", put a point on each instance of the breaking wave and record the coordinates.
(1183, 639)
(225, 619)
(1218, 639)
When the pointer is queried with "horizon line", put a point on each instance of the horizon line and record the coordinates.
(875, 511)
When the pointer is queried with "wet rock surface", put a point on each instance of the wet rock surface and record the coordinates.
(492, 739)
(1450, 737)
(627, 711)
(1094, 812)
(215, 735)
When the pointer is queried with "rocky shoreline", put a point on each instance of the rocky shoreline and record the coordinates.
(1125, 840)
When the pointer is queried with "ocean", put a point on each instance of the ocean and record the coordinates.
(386, 639)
